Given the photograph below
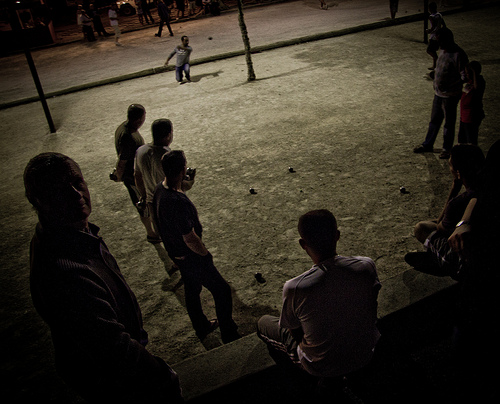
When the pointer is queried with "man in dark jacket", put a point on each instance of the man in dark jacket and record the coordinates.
(164, 14)
(79, 291)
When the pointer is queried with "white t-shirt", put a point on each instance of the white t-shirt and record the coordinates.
(335, 304)
(148, 163)
(112, 14)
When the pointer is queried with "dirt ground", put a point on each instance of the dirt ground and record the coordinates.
(344, 113)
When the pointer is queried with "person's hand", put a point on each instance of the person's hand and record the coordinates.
(460, 239)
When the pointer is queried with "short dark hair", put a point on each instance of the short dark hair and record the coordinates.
(445, 38)
(135, 112)
(319, 229)
(160, 129)
(468, 159)
(173, 162)
(42, 170)
(476, 66)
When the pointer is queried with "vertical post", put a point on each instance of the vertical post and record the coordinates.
(16, 27)
(38, 86)
(246, 41)
(426, 21)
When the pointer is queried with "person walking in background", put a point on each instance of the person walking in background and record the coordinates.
(183, 53)
(88, 31)
(127, 141)
(393, 5)
(96, 19)
(181, 6)
(113, 20)
(140, 13)
(180, 229)
(449, 77)
(327, 325)
(437, 22)
(79, 291)
(164, 14)
(146, 11)
(471, 104)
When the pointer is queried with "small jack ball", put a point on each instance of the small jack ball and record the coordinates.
(291, 169)
(210, 38)
(259, 278)
(253, 191)
(402, 190)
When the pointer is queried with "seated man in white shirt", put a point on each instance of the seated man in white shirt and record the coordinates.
(328, 321)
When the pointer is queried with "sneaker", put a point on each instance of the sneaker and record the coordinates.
(445, 155)
(422, 149)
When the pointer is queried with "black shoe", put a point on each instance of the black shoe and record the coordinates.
(203, 334)
(422, 149)
(445, 155)
(227, 338)
(419, 259)
(159, 36)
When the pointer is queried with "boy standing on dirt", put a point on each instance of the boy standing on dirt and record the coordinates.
(183, 53)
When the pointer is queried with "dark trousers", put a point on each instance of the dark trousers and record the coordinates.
(280, 343)
(147, 14)
(160, 28)
(443, 109)
(468, 132)
(196, 272)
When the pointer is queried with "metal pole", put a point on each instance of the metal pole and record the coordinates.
(16, 27)
(426, 21)
(38, 86)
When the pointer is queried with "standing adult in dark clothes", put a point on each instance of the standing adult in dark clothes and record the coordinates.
(146, 11)
(88, 31)
(181, 6)
(96, 18)
(449, 77)
(127, 141)
(164, 14)
(177, 221)
(79, 291)
(393, 5)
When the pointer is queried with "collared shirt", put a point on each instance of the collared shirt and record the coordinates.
(93, 315)
(335, 304)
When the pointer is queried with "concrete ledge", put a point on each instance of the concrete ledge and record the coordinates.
(228, 363)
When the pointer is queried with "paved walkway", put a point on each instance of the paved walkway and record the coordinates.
(75, 64)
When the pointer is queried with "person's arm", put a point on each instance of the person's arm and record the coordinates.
(459, 239)
(455, 189)
(139, 182)
(194, 243)
(120, 170)
(171, 56)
